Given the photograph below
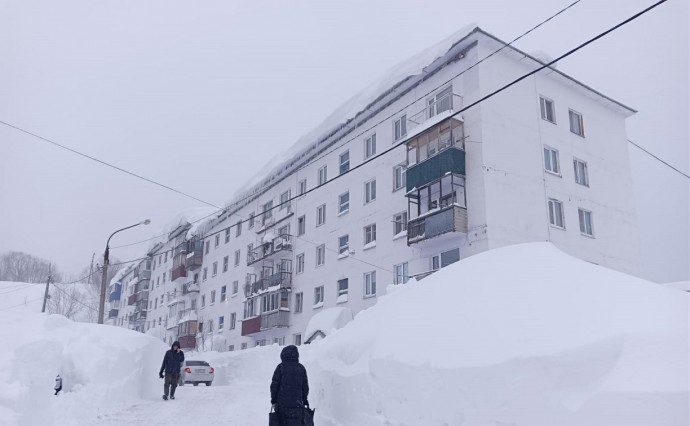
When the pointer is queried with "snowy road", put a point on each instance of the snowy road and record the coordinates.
(209, 406)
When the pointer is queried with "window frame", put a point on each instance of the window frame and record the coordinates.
(321, 215)
(344, 166)
(341, 246)
(400, 220)
(302, 187)
(583, 214)
(584, 178)
(322, 175)
(580, 122)
(401, 177)
(339, 290)
(551, 152)
(320, 255)
(299, 302)
(299, 263)
(342, 210)
(370, 191)
(369, 284)
(372, 233)
(404, 273)
(543, 112)
(301, 225)
(320, 291)
(370, 146)
(400, 127)
(552, 213)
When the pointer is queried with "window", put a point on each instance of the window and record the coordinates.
(401, 273)
(444, 259)
(233, 320)
(215, 268)
(344, 244)
(370, 284)
(227, 235)
(300, 263)
(231, 348)
(243, 345)
(399, 223)
(210, 327)
(269, 302)
(399, 176)
(217, 240)
(318, 295)
(323, 175)
(302, 187)
(301, 225)
(155, 305)
(556, 213)
(164, 277)
(166, 256)
(548, 111)
(400, 127)
(208, 247)
(238, 229)
(226, 263)
(576, 124)
(201, 327)
(221, 323)
(321, 215)
(285, 201)
(223, 293)
(204, 274)
(237, 258)
(299, 302)
(343, 202)
(344, 162)
(297, 339)
(585, 222)
(443, 101)
(551, 160)
(235, 287)
(342, 287)
(203, 300)
(251, 221)
(284, 231)
(370, 234)
(370, 146)
(370, 191)
(213, 297)
(581, 176)
(266, 212)
(321, 255)
(158, 281)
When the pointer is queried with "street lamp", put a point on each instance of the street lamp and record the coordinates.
(101, 304)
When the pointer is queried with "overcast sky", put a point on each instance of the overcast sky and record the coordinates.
(200, 95)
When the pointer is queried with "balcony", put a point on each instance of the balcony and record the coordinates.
(142, 295)
(281, 279)
(195, 254)
(190, 287)
(269, 248)
(251, 326)
(275, 319)
(187, 342)
(143, 275)
(137, 316)
(177, 272)
(434, 223)
(132, 299)
(116, 293)
(450, 160)
(113, 313)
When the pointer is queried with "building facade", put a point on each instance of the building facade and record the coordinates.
(414, 182)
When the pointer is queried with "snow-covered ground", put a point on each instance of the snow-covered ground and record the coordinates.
(522, 335)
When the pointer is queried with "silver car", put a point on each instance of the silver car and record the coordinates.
(196, 372)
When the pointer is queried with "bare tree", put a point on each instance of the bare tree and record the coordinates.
(23, 267)
(92, 280)
(67, 300)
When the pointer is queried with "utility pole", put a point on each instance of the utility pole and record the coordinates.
(45, 296)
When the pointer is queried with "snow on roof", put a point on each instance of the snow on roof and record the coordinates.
(680, 285)
(191, 316)
(327, 320)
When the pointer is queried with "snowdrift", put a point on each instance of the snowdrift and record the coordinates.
(101, 366)
(523, 335)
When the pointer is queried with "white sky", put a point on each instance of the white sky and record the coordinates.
(200, 96)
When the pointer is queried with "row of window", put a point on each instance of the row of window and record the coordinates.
(552, 165)
(557, 217)
(548, 113)
(221, 324)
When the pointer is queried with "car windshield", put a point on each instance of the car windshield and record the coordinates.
(197, 364)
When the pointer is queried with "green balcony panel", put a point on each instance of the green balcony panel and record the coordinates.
(450, 160)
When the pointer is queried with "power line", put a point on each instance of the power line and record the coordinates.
(662, 161)
(473, 104)
(74, 298)
(22, 304)
(74, 151)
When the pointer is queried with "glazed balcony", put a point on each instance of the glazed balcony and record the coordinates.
(282, 279)
(274, 320)
(195, 254)
(437, 222)
(132, 299)
(450, 160)
(179, 271)
(116, 293)
(190, 287)
(269, 248)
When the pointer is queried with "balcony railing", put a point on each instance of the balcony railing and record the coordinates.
(450, 160)
(275, 319)
(137, 316)
(190, 287)
(142, 295)
(269, 248)
(178, 272)
(449, 219)
(132, 299)
(282, 279)
(251, 326)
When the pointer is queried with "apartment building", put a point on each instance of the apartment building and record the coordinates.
(423, 183)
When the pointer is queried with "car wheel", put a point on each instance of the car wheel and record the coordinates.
(208, 383)
(196, 384)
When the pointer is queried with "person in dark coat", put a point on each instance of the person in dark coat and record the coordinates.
(172, 363)
(290, 388)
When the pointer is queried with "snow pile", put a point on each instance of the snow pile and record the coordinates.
(101, 366)
(327, 321)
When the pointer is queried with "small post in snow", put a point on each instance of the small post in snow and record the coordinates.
(45, 296)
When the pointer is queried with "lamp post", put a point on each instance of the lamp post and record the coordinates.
(104, 278)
